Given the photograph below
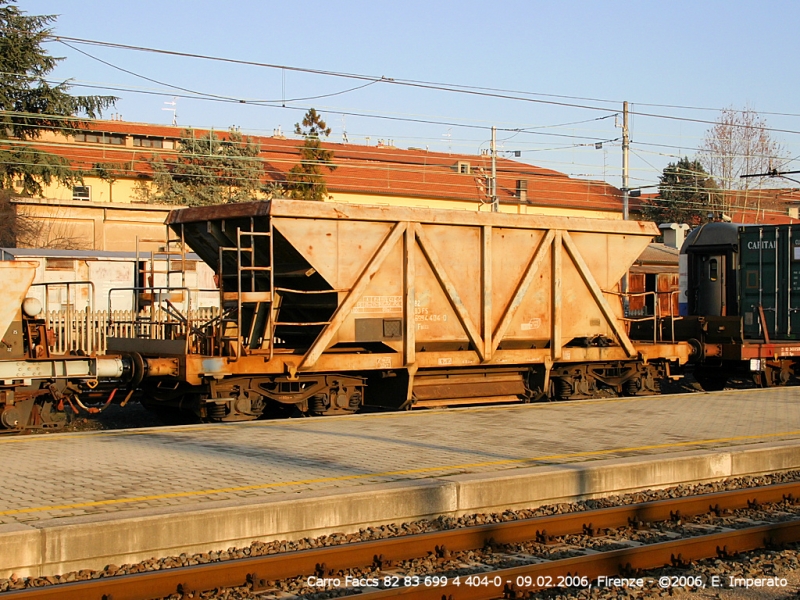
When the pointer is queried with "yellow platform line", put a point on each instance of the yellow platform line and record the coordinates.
(572, 404)
(355, 477)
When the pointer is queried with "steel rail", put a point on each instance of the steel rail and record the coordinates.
(628, 561)
(259, 570)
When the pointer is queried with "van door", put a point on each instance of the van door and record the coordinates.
(710, 274)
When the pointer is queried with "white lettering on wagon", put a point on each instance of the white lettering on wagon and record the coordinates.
(534, 323)
(422, 314)
(761, 244)
(379, 304)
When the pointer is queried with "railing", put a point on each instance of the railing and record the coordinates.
(87, 331)
(659, 315)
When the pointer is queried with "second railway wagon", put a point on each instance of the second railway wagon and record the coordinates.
(333, 308)
(741, 299)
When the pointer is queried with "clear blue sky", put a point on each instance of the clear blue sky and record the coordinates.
(700, 54)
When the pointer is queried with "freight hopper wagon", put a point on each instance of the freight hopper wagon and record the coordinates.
(740, 297)
(331, 308)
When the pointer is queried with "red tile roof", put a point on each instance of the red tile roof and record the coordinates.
(377, 170)
(756, 206)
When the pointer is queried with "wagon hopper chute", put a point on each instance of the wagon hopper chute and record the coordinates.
(329, 307)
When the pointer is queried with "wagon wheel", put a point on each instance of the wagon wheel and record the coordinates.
(774, 376)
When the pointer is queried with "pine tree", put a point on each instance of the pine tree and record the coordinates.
(305, 181)
(30, 105)
(686, 194)
(209, 170)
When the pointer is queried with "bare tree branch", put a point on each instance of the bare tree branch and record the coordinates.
(739, 144)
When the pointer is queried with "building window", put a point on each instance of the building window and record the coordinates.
(148, 142)
(100, 138)
(522, 190)
(93, 138)
(82, 192)
(463, 167)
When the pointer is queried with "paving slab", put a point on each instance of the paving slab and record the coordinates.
(83, 500)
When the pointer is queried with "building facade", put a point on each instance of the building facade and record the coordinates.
(114, 207)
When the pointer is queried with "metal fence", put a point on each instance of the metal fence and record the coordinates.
(88, 331)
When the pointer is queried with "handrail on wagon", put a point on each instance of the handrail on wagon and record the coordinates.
(657, 317)
(292, 291)
(160, 294)
(69, 284)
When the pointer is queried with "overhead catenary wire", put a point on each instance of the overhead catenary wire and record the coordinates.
(432, 85)
(345, 149)
(438, 86)
(516, 130)
(448, 87)
(389, 152)
(196, 94)
(470, 186)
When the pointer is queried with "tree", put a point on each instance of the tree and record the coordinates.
(209, 170)
(686, 194)
(739, 144)
(30, 105)
(14, 226)
(306, 181)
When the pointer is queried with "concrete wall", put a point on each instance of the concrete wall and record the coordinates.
(80, 225)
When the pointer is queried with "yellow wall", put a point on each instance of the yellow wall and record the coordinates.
(123, 191)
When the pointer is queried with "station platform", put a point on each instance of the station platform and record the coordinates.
(84, 500)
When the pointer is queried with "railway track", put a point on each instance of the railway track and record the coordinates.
(500, 560)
